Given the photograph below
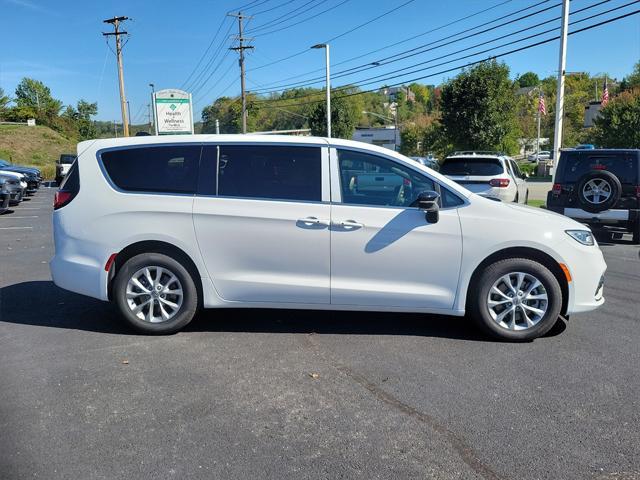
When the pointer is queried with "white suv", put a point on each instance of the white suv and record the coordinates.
(162, 226)
(488, 174)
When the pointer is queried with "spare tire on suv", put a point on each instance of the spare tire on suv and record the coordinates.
(598, 190)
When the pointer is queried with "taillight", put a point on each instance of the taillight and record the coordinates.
(557, 189)
(599, 167)
(499, 182)
(62, 198)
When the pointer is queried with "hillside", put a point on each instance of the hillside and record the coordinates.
(34, 146)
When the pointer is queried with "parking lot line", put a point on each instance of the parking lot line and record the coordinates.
(15, 218)
(30, 208)
(16, 228)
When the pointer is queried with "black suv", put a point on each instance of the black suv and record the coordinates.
(600, 188)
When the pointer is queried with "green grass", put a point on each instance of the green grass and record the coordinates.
(34, 147)
(536, 203)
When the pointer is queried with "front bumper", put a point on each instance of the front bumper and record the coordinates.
(587, 268)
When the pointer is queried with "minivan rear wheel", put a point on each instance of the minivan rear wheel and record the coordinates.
(516, 299)
(155, 293)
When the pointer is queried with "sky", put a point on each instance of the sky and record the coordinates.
(60, 42)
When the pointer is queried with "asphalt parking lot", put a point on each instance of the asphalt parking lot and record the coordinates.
(295, 395)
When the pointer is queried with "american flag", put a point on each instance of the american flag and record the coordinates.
(542, 108)
(605, 94)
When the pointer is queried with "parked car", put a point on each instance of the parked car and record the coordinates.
(33, 176)
(492, 175)
(15, 185)
(62, 166)
(162, 226)
(429, 161)
(585, 146)
(542, 155)
(600, 188)
(5, 196)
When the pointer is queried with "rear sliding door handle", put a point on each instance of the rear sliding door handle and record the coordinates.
(312, 221)
(351, 225)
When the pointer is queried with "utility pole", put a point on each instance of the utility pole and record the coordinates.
(149, 116)
(217, 127)
(129, 114)
(240, 49)
(115, 21)
(562, 64)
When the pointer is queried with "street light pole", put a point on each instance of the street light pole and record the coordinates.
(326, 51)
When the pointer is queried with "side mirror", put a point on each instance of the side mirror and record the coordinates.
(427, 201)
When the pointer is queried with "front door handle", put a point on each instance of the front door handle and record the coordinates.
(351, 225)
(311, 221)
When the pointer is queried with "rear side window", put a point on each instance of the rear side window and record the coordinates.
(71, 182)
(166, 169)
(622, 166)
(482, 167)
(272, 172)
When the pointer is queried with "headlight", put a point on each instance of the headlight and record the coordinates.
(585, 237)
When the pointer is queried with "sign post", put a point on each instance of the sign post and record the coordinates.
(172, 112)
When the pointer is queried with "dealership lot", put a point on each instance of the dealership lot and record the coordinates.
(293, 394)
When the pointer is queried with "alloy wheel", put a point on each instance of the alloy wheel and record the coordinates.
(597, 191)
(154, 294)
(517, 301)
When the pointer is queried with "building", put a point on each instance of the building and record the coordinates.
(392, 93)
(387, 137)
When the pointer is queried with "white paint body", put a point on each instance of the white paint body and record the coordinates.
(317, 255)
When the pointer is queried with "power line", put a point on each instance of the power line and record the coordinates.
(458, 67)
(197, 81)
(464, 33)
(494, 39)
(285, 17)
(204, 54)
(401, 41)
(273, 8)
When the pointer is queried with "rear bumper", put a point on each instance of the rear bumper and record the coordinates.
(607, 217)
(78, 266)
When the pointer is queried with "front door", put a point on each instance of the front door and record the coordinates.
(384, 252)
(261, 222)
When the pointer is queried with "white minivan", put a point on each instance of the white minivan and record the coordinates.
(163, 226)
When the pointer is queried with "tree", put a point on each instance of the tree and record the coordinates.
(529, 79)
(632, 80)
(34, 96)
(618, 125)
(478, 109)
(345, 113)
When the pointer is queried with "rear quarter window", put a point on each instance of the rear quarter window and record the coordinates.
(165, 169)
(482, 167)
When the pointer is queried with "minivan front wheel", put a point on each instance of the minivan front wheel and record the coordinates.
(516, 299)
(155, 293)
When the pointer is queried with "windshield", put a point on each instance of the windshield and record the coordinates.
(484, 167)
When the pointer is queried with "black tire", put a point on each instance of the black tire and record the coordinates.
(182, 316)
(616, 190)
(526, 198)
(479, 293)
(636, 233)
(58, 181)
